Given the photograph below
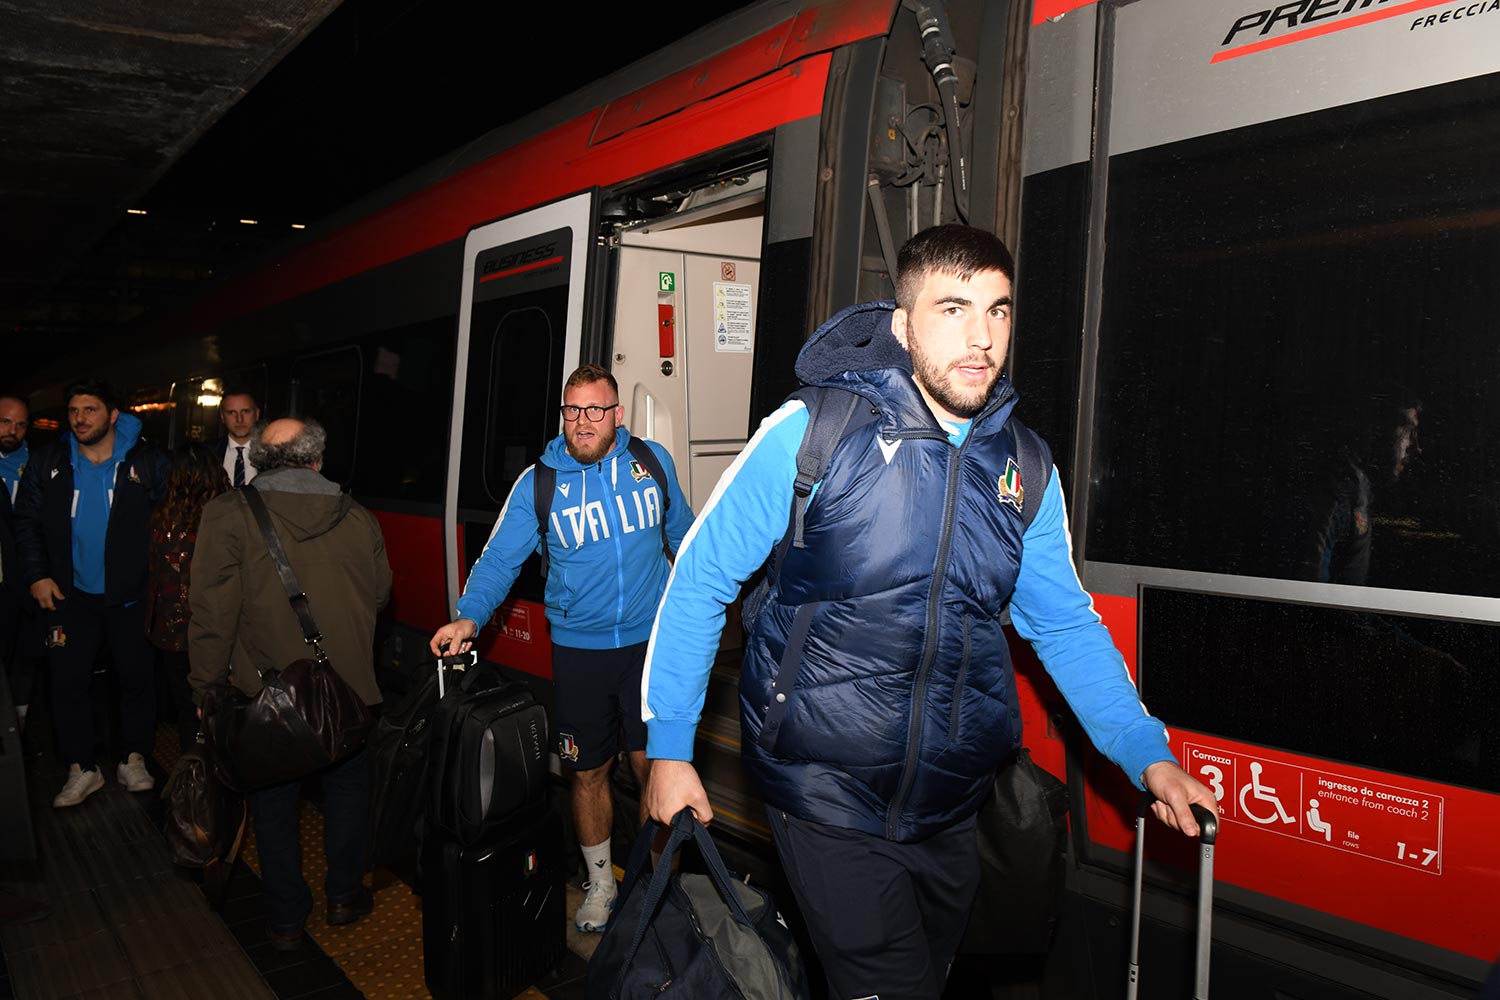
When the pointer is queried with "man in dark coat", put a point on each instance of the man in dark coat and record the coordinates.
(83, 524)
(241, 616)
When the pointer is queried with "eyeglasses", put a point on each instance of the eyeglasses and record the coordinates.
(595, 414)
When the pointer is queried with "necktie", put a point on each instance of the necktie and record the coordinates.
(239, 466)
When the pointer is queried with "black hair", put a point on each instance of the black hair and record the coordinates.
(90, 386)
(951, 248)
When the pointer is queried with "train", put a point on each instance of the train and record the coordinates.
(1257, 250)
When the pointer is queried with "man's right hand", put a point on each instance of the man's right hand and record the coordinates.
(674, 784)
(46, 593)
(454, 636)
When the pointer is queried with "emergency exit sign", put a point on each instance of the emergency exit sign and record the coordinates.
(666, 281)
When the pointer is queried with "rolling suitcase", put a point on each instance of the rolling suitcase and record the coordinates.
(494, 913)
(1208, 831)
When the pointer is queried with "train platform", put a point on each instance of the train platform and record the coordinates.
(126, 924)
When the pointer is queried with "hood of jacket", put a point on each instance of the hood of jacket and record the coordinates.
(856, 350)
(303, 501)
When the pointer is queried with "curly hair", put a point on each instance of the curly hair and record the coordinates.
(196, 477)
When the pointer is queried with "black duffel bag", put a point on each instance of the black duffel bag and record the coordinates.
(204, 820)
(305, 716)
(691, 935)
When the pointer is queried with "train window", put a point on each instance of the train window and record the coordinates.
(195, 410)
(523, 345)
(326, 387)
(408, 379)
(1396, 692)
(1297, 349)
(1049, 307)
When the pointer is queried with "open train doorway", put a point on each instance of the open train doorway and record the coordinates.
(685, 308)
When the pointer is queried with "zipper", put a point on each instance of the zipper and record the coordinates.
(930, 644)
(619, 549)
(958, 689)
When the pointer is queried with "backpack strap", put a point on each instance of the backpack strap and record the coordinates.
(830, 413)
(642, 453)
(1035, 467)
(543, 485)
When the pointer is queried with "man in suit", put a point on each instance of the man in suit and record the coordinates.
(240, 414)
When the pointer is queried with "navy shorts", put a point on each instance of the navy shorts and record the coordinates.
(598, 696)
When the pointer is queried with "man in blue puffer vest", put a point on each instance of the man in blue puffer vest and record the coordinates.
(877, 696)
(608, 567)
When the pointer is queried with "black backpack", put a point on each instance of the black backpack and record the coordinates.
(833, 414)
(398, 768)
(486, 756)
(544, 487)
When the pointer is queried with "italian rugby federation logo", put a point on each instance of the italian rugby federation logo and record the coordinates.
(1010, 491)
(639, 471)
(567, 747)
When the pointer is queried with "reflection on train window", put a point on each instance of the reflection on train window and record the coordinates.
(1297, 348)
(325, 386)
(195, 410)
(1396, 693)
(522, 353)
(408, 377)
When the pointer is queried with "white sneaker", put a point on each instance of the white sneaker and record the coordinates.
(134, 776)
(80, 785)
(598, 901)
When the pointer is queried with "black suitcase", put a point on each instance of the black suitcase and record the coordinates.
(487, 759)
(494, 913)
(1208, 831)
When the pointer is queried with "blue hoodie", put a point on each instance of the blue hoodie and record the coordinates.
(604, 543)
(93, 496)
(11, 467)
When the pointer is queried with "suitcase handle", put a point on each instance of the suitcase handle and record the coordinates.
(455, 661)
(1208, 832)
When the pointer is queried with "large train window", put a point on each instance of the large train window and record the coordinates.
(325, 386)
(523, 344)
(1297, 349)
(408, 373)
(1402, 693)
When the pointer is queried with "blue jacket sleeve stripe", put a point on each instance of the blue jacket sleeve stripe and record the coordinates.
(743, 520)
(1052, 611)
(514, 537)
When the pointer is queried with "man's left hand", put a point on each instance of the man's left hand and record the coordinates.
(1175, 792)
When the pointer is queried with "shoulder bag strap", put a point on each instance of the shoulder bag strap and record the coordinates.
(294, 593)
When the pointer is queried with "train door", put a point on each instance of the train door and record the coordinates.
(684, 333)
(1268, 266)
(519, 334)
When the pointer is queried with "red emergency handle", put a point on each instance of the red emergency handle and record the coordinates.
(666, 330)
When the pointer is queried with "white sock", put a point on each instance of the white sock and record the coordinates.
(596, 862)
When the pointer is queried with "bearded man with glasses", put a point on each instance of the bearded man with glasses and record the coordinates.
(613, 512)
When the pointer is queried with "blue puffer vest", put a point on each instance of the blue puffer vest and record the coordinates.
(877, 691)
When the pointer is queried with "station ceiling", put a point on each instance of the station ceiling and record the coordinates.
(98, 100)
(230, 123)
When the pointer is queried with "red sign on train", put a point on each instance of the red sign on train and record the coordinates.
(1382, 822)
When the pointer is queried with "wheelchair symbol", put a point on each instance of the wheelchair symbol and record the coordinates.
(1264, 793)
